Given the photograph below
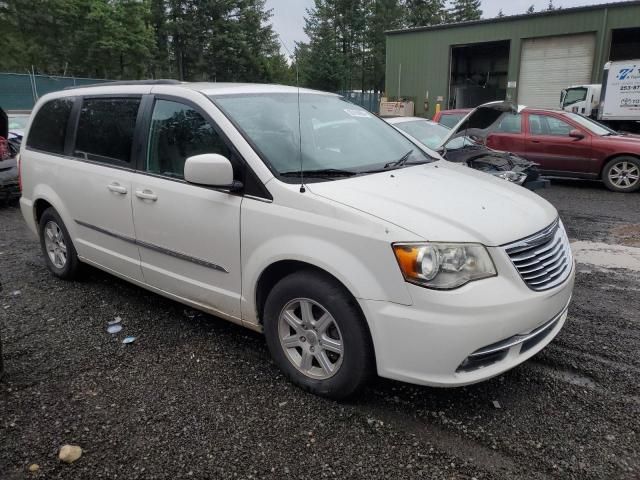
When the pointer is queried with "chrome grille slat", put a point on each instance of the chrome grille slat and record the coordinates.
(549, 277)
(540, 265)
(538, 252)
(547, 272)
(541, 258)
(544, 259)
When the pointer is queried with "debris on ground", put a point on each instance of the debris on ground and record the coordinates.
(129, 340)
(496, 404)
(115, 328)
(70, 453)
(34, 467)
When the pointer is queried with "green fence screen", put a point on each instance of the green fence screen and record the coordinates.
(20, 91)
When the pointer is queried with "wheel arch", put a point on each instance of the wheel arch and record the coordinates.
(39, 207)
(613, 156)
(44, 197)
(278, 270)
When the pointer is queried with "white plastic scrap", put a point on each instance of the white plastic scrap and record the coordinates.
(115, 328)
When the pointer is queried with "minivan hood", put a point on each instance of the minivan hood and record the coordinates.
(481, 119)
(442, 201)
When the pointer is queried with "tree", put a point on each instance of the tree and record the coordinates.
(383, 15)
(531, 9)
(185, 39)
(425, 12)
(104, 38)
(500, 14)
(465, 10)
(550, 7)
(321, 62)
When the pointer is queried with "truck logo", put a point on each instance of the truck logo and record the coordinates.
(624, 73)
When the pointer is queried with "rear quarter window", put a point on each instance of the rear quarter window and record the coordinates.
(49, 127)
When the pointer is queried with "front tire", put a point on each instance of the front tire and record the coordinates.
(622, 174)
(317, 336)
(59, 253)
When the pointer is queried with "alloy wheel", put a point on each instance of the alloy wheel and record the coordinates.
(624, 174)
(55, 244)
(311, 338)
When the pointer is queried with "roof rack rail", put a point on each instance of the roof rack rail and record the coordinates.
(127, 82)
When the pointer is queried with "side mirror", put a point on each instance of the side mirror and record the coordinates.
(212, 170)
(577, 134)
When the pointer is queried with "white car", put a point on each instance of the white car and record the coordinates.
(301, 215)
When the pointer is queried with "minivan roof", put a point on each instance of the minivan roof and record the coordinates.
(207, 88)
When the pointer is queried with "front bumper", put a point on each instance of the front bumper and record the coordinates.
(459, 337)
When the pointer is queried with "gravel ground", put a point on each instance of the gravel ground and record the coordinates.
(196, 397)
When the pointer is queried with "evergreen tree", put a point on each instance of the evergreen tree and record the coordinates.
(321, 62)
(465, 10)
(425, 12)
(98, 38)
(551, 6)
(383, 15)
(185, 39)
(500, 14)
(531, 9)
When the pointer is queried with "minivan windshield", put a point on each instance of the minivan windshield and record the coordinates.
(337, 138)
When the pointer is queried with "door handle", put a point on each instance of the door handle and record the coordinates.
(115, 187)
(146, 194)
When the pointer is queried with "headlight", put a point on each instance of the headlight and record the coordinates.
(511, 176)
(443, 265)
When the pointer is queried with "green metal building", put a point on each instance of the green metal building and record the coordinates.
(524, 58)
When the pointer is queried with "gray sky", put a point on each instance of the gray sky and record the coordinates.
(288, 15)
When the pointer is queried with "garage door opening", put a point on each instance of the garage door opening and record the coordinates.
(478, 74)
(625, 44)
(550, 64)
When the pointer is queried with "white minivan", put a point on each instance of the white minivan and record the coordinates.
(298, 214)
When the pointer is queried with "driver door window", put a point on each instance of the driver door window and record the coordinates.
(178, 132)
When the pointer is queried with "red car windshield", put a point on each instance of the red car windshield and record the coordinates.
(591, 125)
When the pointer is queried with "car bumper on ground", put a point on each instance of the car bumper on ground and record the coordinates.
(537, 184)
(9, 190)
(459, 337)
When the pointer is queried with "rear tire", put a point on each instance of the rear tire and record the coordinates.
(59, 253)
(317, 336)
(622, 174)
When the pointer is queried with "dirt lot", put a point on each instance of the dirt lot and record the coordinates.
(195, 397)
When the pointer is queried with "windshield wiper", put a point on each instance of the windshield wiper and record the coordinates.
(400, 162)
(323, 172)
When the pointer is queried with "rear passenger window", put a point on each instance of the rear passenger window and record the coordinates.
(49, 127)
(105, 130)
(178, 132)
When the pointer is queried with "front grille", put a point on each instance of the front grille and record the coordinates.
(543, 260)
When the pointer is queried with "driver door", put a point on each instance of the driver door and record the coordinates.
(189, 235)
(549, 144)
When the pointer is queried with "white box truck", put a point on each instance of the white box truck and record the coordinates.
(616, 102)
